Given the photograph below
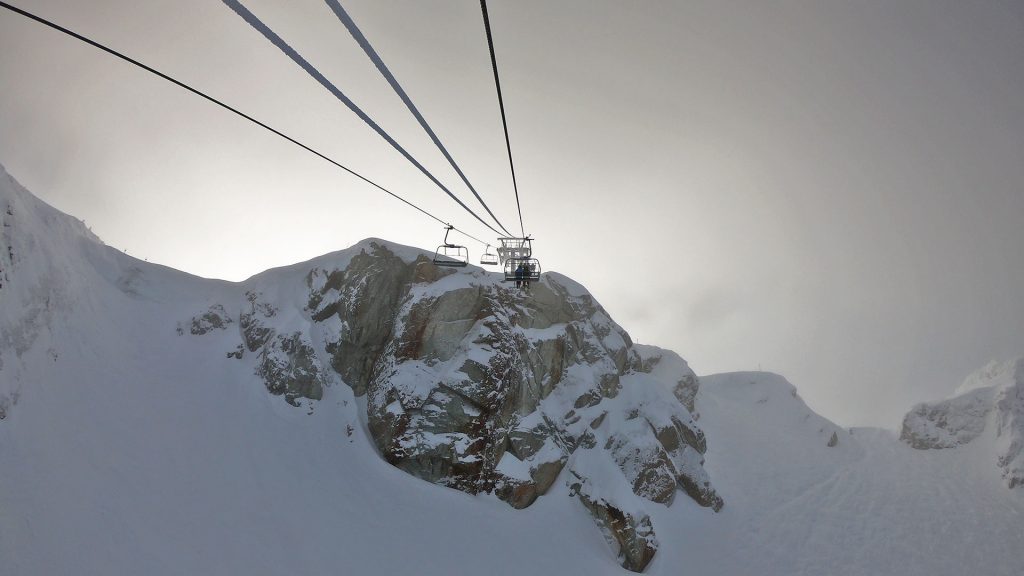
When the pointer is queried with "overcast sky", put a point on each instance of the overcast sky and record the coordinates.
(831, 190)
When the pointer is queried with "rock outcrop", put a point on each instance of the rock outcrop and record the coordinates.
(991, 399)
(473, 384)
(216, 318)
(948, 424)
(628, 532)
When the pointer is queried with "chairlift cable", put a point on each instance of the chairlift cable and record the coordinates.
(501, 104)
(374, 57)
(276, 40)
(227, 107)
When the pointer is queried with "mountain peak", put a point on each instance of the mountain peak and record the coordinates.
(996, 373)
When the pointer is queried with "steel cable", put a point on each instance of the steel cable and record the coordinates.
(205, 96)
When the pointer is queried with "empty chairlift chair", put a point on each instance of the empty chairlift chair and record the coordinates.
(451, 255)
(488, 258)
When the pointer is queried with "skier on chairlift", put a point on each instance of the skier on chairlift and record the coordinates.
(520, 272)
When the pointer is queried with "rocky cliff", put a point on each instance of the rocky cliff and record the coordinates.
(473, 384)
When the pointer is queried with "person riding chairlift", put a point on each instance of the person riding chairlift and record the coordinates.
(520, 272)
(526, 275)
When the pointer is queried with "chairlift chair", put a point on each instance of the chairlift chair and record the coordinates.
(530, 269)
(488, 258)
(451, 255)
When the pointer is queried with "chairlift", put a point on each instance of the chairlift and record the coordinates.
(451, 255)
(514, 249)
(519, 269)
(488, 258)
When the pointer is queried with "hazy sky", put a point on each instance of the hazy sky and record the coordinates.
(831, 190)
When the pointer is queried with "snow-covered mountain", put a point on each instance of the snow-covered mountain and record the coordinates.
(369, 413)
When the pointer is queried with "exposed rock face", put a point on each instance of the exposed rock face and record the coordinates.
(358, 305)
(1010, 426)
(216, 318)
(630, 534)
(288, 366)
(992, 398)
(475, 385)
(686, 391)
(948, 424)
(833, 441)
(286, 361)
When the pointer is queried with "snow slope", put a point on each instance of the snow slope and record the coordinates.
(126, 448)
(870, 504)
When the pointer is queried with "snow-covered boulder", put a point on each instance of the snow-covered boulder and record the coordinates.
(992, 398)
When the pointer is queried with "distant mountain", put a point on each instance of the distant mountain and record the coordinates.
(367, 412)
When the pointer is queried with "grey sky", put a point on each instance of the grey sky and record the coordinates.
(829, 190)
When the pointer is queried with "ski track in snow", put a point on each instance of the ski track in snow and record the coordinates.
(870, 505)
